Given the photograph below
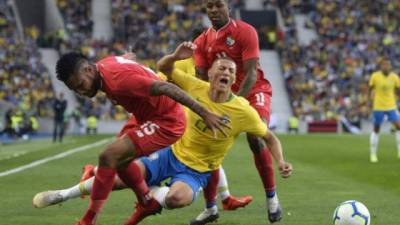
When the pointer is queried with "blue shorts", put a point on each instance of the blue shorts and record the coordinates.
(379, 116)
(163, 164)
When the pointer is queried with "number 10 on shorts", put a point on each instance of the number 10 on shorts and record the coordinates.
(147, 128)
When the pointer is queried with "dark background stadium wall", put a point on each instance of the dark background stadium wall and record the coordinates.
(264, 21)
(32, 13)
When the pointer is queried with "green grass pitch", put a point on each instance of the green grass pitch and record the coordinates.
(328, 169)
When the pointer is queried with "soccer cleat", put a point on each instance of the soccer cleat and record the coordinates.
(275, 216)
(141, 212)
(373, 158)
(232, 202)
(87, 172)
(47, 198)
(207, 216)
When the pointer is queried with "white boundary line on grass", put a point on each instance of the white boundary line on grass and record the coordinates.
(51, 158)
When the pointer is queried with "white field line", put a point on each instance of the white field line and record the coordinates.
(51, 158)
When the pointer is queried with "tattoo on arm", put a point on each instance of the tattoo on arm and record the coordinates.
(250, 69)
(171, 90)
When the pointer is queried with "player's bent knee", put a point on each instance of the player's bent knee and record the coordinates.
(108, 158)
(177, 199)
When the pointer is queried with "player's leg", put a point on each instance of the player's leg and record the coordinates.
(53, 197)
(378, 117)
(230, 202)
(162, 165)
(262, 156)
(147, 138)
(115, 155)
(395, 119)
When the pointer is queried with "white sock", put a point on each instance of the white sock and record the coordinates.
(273, 203)
(223, 189)
(78, 190)
(398, 140)
(373, 141)
(159, 194)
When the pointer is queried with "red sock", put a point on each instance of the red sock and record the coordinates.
(133, 178)
(102, 186)
(210, 192)
(265, 167)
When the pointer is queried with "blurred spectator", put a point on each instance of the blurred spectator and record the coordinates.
(91, 125)
(59, 107)
(76, 116)
(293, 124)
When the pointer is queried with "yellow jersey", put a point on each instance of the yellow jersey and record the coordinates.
(197, 148)
(384, 90)
(186, 65)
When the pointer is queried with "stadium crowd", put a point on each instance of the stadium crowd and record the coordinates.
(330, 76)
(150, 28)
(24, 80)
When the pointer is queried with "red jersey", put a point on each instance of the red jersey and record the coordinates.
(239, 40)
(128, 84)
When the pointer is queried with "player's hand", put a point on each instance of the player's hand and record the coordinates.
(184, 50)
(285, 169)
(216, 123)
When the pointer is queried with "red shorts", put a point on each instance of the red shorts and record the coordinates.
(261, 101)
(151, 136)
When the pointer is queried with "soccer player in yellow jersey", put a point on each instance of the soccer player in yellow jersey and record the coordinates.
(190, 160)
(383, 85)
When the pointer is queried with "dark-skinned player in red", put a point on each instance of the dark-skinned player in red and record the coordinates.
(157, 121)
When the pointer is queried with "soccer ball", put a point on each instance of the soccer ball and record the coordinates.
(351, 213)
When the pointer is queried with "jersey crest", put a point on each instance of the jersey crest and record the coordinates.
(230, 41)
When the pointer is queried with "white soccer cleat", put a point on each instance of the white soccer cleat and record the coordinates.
(207, 216)
(47, 198)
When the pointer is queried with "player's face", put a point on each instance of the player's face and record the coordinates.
(386, 67)
(218, 12)
(222, 75)
(85, 81)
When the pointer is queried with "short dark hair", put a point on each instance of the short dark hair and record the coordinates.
(225, 58)
(68, 64)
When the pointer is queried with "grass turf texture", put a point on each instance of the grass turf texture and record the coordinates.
(328, 169)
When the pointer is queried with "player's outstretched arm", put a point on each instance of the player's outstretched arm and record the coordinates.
(274, 145)
(183, 51)
(213, 121)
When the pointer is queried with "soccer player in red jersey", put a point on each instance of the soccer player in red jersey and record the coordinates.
(239, 41)
(158, 121)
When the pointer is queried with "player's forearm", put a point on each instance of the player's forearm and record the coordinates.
(177, 94)
(166, 65)
(247, 84)
(274, 145)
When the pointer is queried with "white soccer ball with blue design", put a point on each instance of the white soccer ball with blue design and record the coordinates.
(351, 213)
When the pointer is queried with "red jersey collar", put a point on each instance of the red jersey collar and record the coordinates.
(231, 21)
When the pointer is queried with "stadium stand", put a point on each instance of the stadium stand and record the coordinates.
(329, 77)
(24, 80)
